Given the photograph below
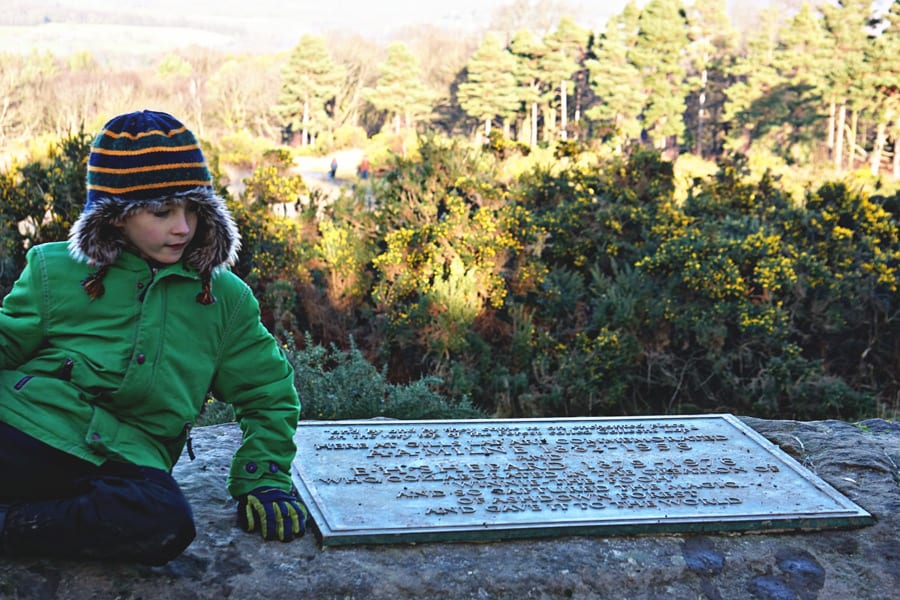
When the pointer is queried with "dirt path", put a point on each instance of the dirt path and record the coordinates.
(314, 169)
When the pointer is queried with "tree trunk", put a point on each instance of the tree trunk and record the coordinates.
(878, 147)
(852, 134)
(304, 136)
(839, 137)
(534, 123)
(897, 149)
(698, 147)
(832, 109)
(549, 123)
(563, 111)
(578, 79)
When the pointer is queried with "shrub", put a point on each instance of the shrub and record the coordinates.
(214, 412)
(338, 384)
(39, 201)
(242, 149)
(350, 136)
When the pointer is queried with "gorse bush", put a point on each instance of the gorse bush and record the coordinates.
(708, 310)
(577, 288)
(39, 201)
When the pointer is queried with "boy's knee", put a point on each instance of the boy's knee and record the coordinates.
(175, 533)
(175, 517)
(168, 525)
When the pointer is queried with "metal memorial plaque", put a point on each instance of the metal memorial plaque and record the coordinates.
(385, 481)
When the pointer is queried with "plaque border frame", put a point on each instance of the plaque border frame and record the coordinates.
(855, 516)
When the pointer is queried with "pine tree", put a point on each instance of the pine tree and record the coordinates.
(528, 52)
(848, 27)
(661, 45)
(755, 76)
(713, 45)
(801, 57)
(309, 83)
(562, 66)
(883, 57)
(400, 91)
(616, 83)
(490, 89)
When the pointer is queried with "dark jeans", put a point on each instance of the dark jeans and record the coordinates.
(62, 506)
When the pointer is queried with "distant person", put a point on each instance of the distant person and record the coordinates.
(109, 345)
(332, 170)
(363, 168)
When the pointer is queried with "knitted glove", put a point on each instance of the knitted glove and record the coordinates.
(278, 514)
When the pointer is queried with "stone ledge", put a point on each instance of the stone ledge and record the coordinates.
(861, 461)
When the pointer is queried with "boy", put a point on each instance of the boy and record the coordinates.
(108, 346)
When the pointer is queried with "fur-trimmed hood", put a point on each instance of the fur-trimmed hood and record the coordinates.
(96, 240)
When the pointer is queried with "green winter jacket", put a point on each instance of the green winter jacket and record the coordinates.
(124, 376)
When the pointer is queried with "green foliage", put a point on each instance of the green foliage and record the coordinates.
(490, 89)
(39, 201)
(612, 296)
(345, 255)
(449, 248)
(567, 149)
(214, 412)
(173, 65)
(272, 247)
(268, 185)
(337, 384)
(310, 81)
(400, 91)
(580, 288)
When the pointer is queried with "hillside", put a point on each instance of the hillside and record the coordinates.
(227, 24)
(128, 28)
(134, 27)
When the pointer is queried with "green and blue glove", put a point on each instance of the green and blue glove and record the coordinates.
(277, 514)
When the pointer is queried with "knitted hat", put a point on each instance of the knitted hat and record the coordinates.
(145, 160)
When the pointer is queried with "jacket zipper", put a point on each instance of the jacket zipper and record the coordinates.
(190, 440)
(186, 430)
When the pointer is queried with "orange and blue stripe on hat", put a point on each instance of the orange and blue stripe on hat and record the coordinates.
(144, 155)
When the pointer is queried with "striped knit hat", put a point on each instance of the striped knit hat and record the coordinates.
(145, 160)
(144, 155)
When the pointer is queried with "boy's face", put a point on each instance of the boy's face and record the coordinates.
(161, 235)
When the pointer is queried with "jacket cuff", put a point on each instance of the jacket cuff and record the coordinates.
(247, 475)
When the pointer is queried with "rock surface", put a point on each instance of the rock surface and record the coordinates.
(861, 461)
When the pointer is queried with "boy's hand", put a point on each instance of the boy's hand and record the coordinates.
(278, 514)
